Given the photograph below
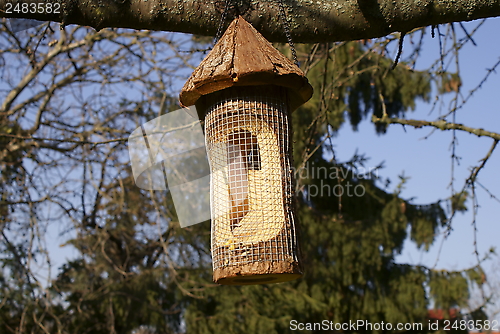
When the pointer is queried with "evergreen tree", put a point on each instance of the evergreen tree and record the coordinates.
(139, 272)
(349, 241)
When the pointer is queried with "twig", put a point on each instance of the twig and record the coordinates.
(441, 125)
(472, 178)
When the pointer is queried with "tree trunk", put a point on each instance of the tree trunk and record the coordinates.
(310, 21)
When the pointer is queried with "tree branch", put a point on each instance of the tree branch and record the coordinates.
(310, 21)
(441, 125)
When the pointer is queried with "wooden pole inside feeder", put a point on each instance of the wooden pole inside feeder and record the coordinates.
(245, 90)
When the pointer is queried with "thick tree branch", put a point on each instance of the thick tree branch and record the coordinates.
(310, 21)
(441, 125)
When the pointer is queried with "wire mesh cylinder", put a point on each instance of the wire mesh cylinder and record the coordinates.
(254, 232)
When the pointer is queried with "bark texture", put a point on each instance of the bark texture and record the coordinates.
(242, 57)
(310, 21)
(262, 272)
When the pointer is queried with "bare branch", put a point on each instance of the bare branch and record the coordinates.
(325, 21)
(441, 125)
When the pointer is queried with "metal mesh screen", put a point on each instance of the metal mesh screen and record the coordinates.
(248, 142)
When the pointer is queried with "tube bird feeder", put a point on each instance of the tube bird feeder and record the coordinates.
(245, 90)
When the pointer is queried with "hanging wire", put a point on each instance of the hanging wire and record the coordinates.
(287, 31)
(400, 51)
(223, 17)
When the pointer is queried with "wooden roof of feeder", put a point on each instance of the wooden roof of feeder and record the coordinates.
(243, 57)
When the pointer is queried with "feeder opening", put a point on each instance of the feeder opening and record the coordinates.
(246, 90)
(253, 224)
(243, 155)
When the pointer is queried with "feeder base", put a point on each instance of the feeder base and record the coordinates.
(258, 279)
(264, 272)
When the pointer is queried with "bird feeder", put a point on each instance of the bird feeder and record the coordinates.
(245, 90)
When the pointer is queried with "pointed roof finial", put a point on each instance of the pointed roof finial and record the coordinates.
(243, 57)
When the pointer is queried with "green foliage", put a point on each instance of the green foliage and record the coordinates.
(449, 289)
(137, 270)
(458, 201)
(349, 242)
(358, 81)
(123, 281)
(425, 221)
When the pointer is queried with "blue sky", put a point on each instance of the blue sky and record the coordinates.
(427, 161)
(426, 157)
